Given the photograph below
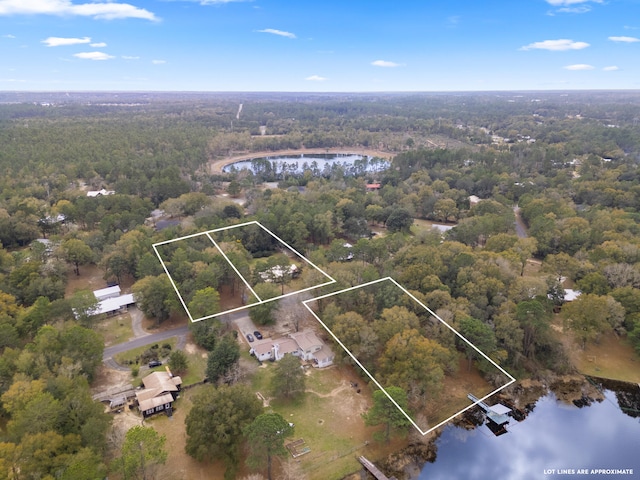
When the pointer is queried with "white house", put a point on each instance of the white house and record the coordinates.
(110, 301)
(305, 345)
(98, 193)
(308, 343)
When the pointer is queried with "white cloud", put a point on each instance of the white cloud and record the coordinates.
(280, 33)
(158, 62)
(105, 11)
(556, 45)
(98, 45)
(8, 35)
(59, 41)
(611, 68)
(129, 57)
(566, 3)
(385, 63)
(316, 78)
(579, 66)
(573, 6)
(221, 2)
(624, 39)
(93, 56)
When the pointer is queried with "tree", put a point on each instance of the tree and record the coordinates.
(77, 252)
(534, 319)
(265, 437)
(142, 451)
(385, 412)
(481, 336)
(155, 297)
(415, 363)
(264, 313)
(394, 320)
(223, 357)
(205, 302)
(400, 220)
(591, 315)
(206, 332)
(215, 423)
(84, 305)
(288, 379)
(178, 362)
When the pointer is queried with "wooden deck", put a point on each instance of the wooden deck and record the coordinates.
(368, 465)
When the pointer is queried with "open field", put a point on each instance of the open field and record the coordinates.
(612, 357)
(329, 420)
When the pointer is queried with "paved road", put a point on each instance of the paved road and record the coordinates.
(109, 352)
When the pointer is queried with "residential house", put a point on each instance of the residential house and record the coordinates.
(111, 302)
(160, 391)
(305, 345)
(99, 193)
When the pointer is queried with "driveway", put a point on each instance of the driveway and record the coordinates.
(244, 324)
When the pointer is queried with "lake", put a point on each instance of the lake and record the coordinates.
(554, 441)
(318, 164)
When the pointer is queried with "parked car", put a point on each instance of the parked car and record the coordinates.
(257, 334)
(154, 363)
(249, 337)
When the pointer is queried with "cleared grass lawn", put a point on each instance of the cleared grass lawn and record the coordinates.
(115, 330)
(612, 357)
(197, 366)
(329, 420)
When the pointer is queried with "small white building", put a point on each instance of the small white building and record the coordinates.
(99, 193)
(105, 293)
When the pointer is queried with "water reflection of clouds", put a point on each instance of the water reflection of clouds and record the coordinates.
(553, 436)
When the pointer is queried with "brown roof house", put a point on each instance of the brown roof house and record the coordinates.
(305, 344)
(160, 391)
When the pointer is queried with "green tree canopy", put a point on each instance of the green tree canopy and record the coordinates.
(288, 379)
(265, 438)
(142, 451)
(223, 358)
(216, 421)
(155, 297)
(383, 410)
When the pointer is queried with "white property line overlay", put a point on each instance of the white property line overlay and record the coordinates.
(232, 310)
(512, 379)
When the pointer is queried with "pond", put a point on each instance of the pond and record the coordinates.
(318, 164)
(556, 439)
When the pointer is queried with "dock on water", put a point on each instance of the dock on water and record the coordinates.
(498, 413)
(367, 464)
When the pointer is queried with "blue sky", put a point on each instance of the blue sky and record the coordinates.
(319, 46)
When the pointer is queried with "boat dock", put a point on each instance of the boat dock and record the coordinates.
(498, 413)
(368, 465)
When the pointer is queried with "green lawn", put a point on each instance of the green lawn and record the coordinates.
(196, 370)
(114, 330)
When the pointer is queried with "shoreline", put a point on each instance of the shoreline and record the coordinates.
(216, 166)
(407, 463)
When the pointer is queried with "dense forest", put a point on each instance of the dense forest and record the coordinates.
(566, 162)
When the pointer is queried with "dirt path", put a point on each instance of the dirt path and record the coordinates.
(216, 166)
(333, 393)
(136, 323)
